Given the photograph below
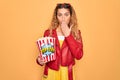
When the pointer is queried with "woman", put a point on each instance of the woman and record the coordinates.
(69, 46)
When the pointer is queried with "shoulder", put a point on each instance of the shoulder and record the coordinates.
(47, 32)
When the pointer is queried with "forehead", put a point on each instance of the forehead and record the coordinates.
(63, 10)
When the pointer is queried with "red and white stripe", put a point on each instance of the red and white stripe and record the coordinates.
(44, 41)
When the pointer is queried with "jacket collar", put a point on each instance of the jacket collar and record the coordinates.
(54, 34)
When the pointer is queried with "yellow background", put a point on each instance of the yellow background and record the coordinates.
(22, 22)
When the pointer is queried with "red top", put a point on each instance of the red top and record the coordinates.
(65, 56)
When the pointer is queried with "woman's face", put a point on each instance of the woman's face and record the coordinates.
(63, 15)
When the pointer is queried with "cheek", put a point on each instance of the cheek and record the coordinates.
(59, 19)
(68, 20)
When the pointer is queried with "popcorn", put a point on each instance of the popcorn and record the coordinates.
(46, 47)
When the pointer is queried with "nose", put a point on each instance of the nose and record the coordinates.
(63, 18)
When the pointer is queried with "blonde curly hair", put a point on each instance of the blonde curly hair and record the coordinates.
(73, 19)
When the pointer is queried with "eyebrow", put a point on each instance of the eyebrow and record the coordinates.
(63, 13)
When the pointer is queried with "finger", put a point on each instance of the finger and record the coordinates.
(40, 59)
(62, 24)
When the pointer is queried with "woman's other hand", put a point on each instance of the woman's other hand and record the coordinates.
(40, 61)
(65, 29)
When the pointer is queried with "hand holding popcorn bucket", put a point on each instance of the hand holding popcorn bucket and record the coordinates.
(46, 47)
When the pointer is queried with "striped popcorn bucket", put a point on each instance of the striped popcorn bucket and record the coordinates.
(46, 47)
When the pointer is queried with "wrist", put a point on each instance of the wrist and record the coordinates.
(66, 35)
